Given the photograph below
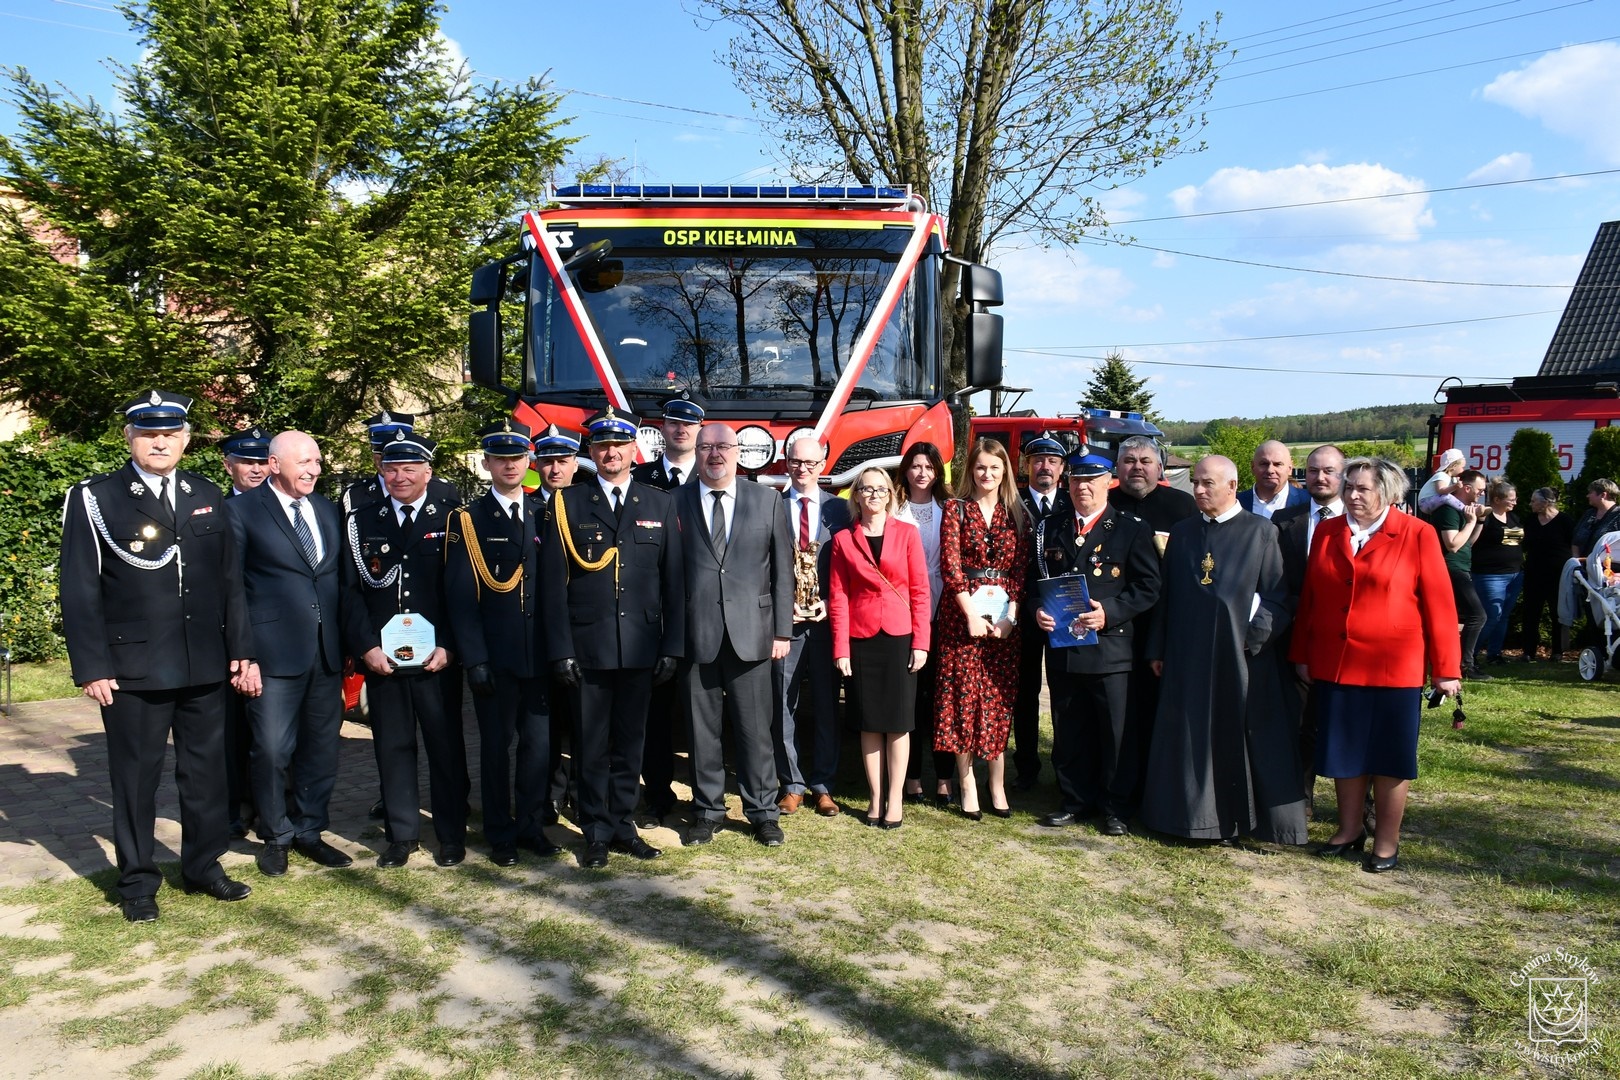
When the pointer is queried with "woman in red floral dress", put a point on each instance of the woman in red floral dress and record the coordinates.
(983, 550)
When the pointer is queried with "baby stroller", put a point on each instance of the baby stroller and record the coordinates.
(1601, 586)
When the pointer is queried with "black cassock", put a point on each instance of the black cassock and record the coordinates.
(1224, 759)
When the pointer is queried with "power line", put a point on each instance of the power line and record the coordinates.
(67, 25)
(1323, 18)
(1058, 349)
(1349, 274)
(660, 105)
(1245, 367)
(1367, 198)
(1372, 33)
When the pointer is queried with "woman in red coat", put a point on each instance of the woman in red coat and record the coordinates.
(879, 602)
(1375, 609)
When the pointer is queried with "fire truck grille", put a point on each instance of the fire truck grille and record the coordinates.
(878, 446)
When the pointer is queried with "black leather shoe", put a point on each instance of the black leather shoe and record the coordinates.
(1113, 826)
(1380, 864)
(221, 888)
(595, 856)
(1328, 851)
(450, 855)
(540, 846)
(769, 833)
(701, 832)
(397, 854)
(273, 860)
(1059, 819)
(319, 851)
(376, 811)
(635, 846)
(504, 856)
(140, 909)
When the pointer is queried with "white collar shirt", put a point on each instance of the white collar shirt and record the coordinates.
(728, 498)
(1265, 508)
(305, 511)
(1335, 508)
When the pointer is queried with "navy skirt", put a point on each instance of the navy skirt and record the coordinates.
(1366, 730)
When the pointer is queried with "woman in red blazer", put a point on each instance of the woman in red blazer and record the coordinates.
(1375, 609)
(879, 602)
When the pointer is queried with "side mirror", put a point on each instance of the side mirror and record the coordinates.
(981, 286)
(981, 289)
(484, 348)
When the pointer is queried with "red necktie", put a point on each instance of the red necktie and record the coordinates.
(804, 523)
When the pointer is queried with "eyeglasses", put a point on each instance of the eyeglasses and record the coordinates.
(869, 491)
(718, 448)
(801, 463)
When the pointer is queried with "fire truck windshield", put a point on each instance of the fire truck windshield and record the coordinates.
(736, 313)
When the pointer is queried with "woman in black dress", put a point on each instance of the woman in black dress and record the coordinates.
(1548, 536)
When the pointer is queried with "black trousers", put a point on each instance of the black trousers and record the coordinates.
(401, 703)
(561, 702)
(1470, 612)
(1541, 594)
(1026, 722)
(666, 708)
(297, 724)
(138, 723)
(516, 711)
(238, 747)
(610, 727)
(1096, 752)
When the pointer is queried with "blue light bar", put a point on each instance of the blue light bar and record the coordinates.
(706, 193)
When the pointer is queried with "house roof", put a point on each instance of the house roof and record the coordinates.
(1587, 341)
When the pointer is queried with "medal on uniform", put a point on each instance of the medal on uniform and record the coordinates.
(137, 488)
(137, 545)
(1206, 566)
(149, 532)
(383, 549)
(1113, 571)
(1096, 564)
(376, 566)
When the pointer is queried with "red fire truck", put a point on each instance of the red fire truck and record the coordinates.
(1480, 419)
(783, 311)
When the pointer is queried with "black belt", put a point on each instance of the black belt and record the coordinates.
(988, 573)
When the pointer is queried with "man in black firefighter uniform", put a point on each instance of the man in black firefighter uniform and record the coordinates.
(491, 572)
(615, 554)
(157, 628)
(1095, 738)
(247, 463)
(556, 461)
(1043, 498)
(393, 566)
(672, 468)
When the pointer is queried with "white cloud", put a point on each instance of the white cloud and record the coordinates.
(1398, 219)
(1040, 279)
(1514, 166)
(1571, 91)
(455, 59)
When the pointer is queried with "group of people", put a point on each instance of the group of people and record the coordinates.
(1241, 643)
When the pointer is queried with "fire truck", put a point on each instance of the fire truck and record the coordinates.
(784, 311)
(1480, 419)
(1101, 429)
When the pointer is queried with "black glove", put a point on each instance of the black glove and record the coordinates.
(566, 671)
(481, 680)
(664, 670)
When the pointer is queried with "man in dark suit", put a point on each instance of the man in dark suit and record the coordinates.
(1273, 468)
(675, 466)
(556, 460)
(1043, 498)
(392, 573)
(156, 625)
(739, 617)
(247, 463)
(288, 543)
(1096, 743)
(1296, 528)
(615, 555)
(813, 516)
(491, 576)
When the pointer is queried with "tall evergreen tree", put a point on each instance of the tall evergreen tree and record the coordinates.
(1602, 463)
(1115, 386)
(1532, 463)
(281, 219)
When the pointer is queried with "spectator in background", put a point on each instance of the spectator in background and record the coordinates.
(1548, 537)
(1459, 530)
(1498, 566)
(1272, 466)
(922, 484)
(1602, 517)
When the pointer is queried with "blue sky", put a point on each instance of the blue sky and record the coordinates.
(1451, 94)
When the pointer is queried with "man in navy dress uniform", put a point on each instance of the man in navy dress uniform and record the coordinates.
(1043, 498)
(614, 553)
(247, 463)
(392, 565)
(491, 585)
(556, 461)
(157, 629)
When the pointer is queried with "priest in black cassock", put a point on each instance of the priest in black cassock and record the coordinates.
(1223, 761)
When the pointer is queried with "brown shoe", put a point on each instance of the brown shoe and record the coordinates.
(789, 802)
(825, 805)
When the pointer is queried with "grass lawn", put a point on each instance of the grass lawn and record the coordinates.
(42, 682)
(948, 947)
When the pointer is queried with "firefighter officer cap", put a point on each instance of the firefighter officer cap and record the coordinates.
(1088, 465)
(157, 410)
(505, 438)
(249, 444)
(683, 411)
(556, 443)
(608, 426)
(408, 446)
(382, 427)
(1045, 444)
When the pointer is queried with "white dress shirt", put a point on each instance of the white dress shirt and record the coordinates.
(308, 514)
(729, 500)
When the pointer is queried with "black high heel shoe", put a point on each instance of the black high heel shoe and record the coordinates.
(971, 815)
(1328, 851)
(1380, 864)
(1000, 811)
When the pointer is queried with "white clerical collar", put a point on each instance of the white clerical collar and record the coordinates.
(1225, 515)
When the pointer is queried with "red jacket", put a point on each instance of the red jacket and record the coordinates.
(862, 604)
(1374, 620)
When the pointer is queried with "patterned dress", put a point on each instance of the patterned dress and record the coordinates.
(978, 677)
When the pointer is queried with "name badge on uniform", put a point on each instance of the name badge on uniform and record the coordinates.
(649, 524)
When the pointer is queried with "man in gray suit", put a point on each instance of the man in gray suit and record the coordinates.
(288, 546)
(738, 556)
(813, 516)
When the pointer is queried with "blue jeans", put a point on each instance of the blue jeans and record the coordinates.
(1498, 593)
